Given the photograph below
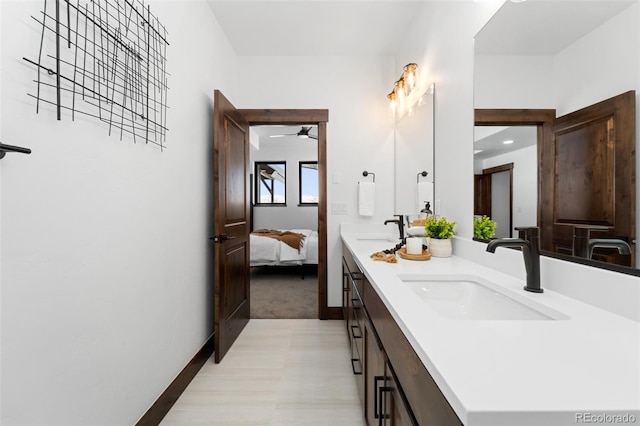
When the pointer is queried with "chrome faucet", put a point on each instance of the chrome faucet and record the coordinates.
(400, 222)
(583, 244)
(529, 242)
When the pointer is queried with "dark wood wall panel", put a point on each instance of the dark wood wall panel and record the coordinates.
(593, 156)
(584, 179)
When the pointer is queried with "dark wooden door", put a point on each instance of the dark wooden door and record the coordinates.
(482, 195)
(231, 223)
(593, 182)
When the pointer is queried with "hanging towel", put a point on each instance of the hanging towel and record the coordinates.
(366, 198)
(424, 193)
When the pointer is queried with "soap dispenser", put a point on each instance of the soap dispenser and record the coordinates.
(426, 212)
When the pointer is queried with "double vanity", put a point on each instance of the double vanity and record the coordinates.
(449, 341)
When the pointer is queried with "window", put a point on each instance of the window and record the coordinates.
(308, 182)
(271, 182)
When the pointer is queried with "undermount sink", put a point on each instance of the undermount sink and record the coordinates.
(468, 297)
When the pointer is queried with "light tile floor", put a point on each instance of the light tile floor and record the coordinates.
(278, 373)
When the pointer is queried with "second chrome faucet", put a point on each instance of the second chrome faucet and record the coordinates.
(529, 243)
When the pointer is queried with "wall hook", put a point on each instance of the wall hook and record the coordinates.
(366, 173)
(11, 148)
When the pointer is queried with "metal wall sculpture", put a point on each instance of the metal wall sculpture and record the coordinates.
(104, 59)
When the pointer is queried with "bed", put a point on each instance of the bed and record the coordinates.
(269, 251)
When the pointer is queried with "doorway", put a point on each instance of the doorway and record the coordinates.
(494, 198)
(284, 222)
(317, 118)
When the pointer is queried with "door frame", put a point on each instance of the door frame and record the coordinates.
(508, 167)
(318, 117)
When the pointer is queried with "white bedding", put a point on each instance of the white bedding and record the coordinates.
(269, 251)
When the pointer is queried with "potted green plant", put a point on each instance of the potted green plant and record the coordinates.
(484, 228)
(440, 231)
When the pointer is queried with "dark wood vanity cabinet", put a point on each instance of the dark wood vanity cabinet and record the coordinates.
(353, 311)
(385, 404)
(374, 375)
(395, 387)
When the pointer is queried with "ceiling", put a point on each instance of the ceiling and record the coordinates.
(515, 28)
(377, 27)
(315, 28)
(489, 140)
(264, 132)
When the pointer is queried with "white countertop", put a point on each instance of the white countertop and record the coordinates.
(510, 373)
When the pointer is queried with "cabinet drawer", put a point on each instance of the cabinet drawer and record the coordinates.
(428, 404)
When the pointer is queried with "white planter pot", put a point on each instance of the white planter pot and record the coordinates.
(440, 248)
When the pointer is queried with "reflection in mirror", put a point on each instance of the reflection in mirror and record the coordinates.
(560, 56)
(414, 154)
(505, 170)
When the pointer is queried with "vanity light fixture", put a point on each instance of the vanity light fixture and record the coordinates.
(507, 142)
(403, 87)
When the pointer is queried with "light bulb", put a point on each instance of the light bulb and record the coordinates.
(393, 99)
(401, 90)
(410, 76)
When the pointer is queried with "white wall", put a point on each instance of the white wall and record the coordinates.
(359, 132)
(292, 216)
(513, 81)
(105, 251)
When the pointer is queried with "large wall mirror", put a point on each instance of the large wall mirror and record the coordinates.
(414, 156)
(555, 87)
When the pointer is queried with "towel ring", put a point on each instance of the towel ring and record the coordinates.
(366, 173)
(423, 174)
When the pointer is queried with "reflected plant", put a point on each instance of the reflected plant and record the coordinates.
(484, 228)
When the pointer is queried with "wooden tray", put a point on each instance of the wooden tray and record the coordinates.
(403, 254)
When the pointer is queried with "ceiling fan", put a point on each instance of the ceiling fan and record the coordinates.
(303, 133)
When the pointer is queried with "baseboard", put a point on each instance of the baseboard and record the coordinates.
(165, 401)
(334, 313)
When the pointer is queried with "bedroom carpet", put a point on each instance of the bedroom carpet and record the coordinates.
(280, 292)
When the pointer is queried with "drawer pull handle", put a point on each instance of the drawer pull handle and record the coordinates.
(353, 329)
(353, 366)
(383, 403)
(376, 408)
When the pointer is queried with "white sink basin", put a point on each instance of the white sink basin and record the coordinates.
(378, 237)
(468, 297)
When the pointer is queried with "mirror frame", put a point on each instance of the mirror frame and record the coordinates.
(543, 120)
